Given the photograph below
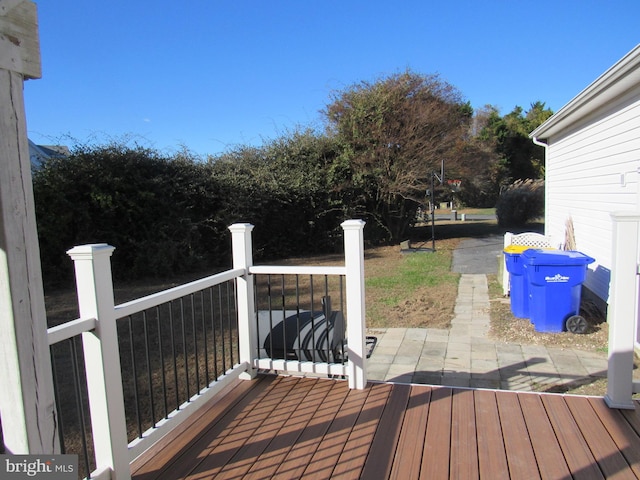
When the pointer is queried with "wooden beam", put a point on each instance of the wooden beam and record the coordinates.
(26, 398)
(19, 41)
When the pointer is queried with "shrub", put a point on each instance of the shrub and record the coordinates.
(520, 203)
(154, 210)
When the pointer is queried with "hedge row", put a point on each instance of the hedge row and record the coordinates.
(170, 215)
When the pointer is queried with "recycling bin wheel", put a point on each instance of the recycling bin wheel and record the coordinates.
(577, 324)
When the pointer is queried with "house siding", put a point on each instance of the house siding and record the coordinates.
(591, 171)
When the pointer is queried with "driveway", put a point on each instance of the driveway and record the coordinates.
(478, 255)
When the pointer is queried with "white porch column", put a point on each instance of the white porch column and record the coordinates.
(622, 310)
(243, 258)
(354, 265)
(102, 360)
(27, 406)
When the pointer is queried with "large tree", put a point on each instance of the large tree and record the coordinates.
(395, 133)
(520, 158)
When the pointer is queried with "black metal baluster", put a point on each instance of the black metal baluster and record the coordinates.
(224, 353)
(269, 309)
(135, 376)
(213, 334)
(56, 393)
(299, 352)
(173, 355)
(284, 318)
(162, 366)
(184, 349)
(204, 340)
(234, 346)
(149, 374)
(327, 315)
(257, 318)
(313, 324)
(195, 343)
(344, 323)
(79, 406)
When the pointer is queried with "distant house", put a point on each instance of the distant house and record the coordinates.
(40, 153)
(592, 166)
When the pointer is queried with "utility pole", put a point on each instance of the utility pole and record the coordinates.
(440, 179)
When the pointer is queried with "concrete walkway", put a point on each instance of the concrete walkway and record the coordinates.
(465, 356)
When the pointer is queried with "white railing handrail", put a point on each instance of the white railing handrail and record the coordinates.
(296, 270)
(70, 329)
(75, 327)
(144, 303)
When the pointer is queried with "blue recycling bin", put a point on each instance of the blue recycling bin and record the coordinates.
(554, 281)
(518, 291)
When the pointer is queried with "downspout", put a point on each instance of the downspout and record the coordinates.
(540, 143)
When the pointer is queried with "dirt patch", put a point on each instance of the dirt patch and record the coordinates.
(392, 303)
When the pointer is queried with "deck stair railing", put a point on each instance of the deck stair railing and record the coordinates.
(122, 342)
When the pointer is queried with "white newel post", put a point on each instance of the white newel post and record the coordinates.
(622, 310)
(102, 360)
(243, 258)
(27, 409)
(354, 265)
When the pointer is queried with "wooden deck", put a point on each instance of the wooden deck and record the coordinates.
(290, 428)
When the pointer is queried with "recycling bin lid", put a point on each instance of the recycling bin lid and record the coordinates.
(516, 249)
(536, 256)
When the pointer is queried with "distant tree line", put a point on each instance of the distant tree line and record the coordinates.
(375, 159)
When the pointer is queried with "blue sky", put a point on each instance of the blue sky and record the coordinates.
(211, 74)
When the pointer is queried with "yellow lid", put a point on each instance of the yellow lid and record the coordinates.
(516, 248)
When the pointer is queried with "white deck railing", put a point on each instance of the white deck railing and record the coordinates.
(622, 313)
(97, 326)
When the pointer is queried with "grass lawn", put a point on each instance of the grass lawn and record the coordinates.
(410, 289)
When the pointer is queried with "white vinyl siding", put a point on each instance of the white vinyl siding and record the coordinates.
(591, 171)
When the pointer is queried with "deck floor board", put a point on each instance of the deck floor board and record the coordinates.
(575, 449)
(492, 458)
(288, 427)
(549, 455)
(408, 458)
(353, 455)
(437, 444)
(606, 453)
(520, 456)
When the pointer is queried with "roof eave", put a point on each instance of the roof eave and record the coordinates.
(616, 80)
